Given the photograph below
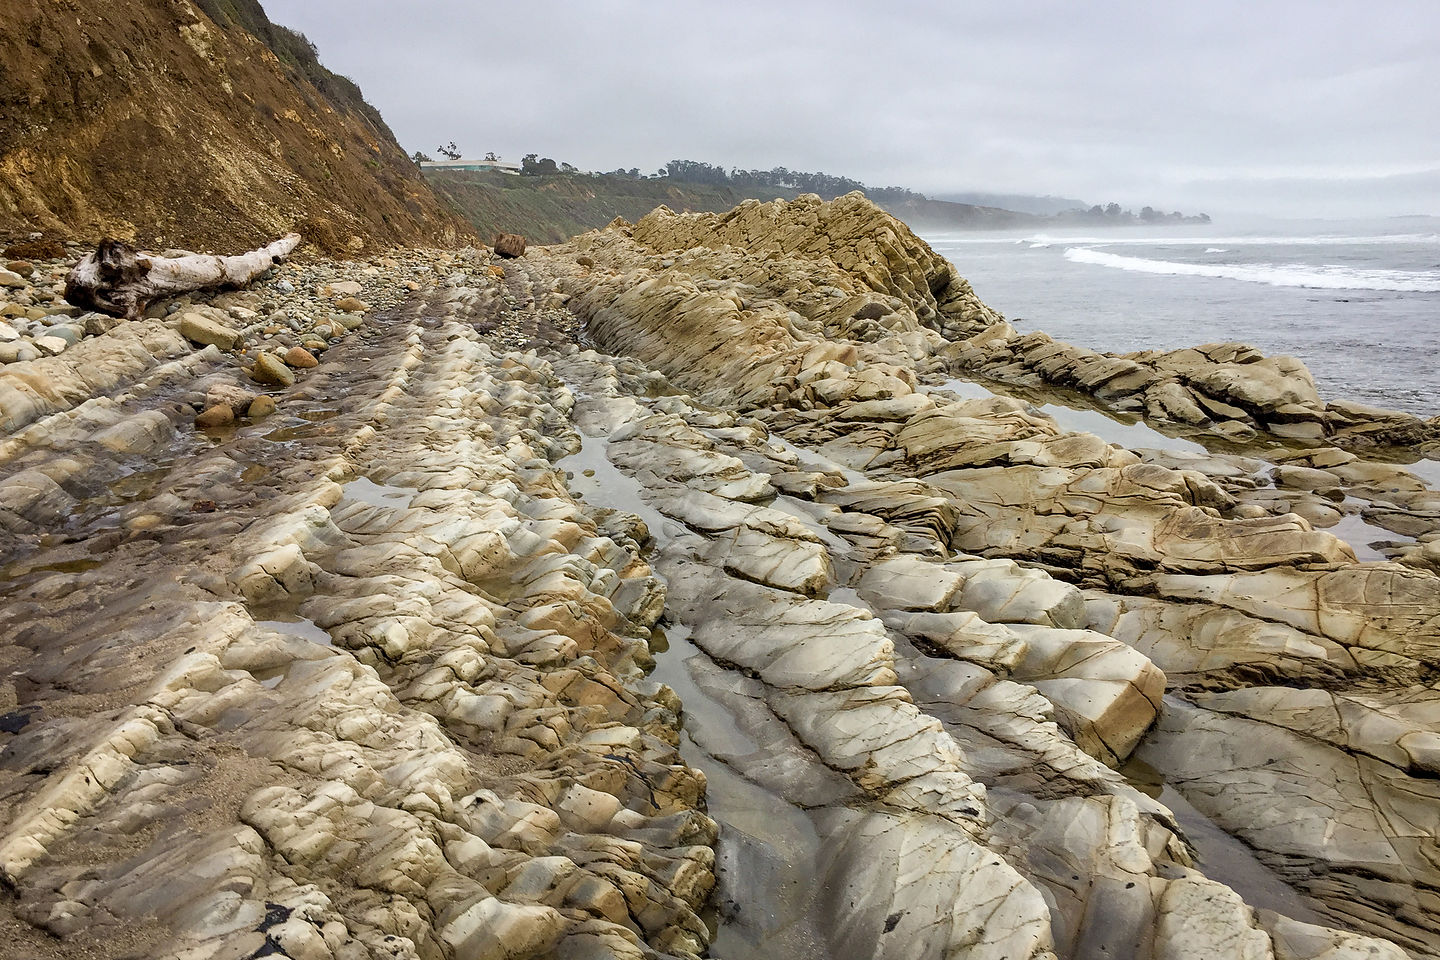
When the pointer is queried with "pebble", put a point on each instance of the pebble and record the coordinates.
(51, 345)
(216, 416)
(300, 357)
(14, 351)
(197, 327)
(272, 370)
(98, 323)
(68, 332)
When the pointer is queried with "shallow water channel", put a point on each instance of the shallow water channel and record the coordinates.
(766, 858)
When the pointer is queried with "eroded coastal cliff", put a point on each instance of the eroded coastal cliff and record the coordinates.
(194, 124)
(709, 583)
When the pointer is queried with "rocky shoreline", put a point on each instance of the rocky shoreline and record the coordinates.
(383, 671)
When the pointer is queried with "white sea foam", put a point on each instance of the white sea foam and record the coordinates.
(1216, 250)
(1161, 240)
(1316, 276)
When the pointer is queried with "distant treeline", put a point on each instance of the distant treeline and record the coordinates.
(1112, 214)
(830, 185)
(782, 178)
(711, 174)
(555, 200)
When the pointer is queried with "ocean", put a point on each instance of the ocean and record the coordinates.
(1358, 302)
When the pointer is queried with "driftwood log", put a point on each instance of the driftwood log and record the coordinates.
(510, 245)
(120, 280)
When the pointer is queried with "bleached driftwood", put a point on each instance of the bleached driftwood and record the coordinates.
(119, 280)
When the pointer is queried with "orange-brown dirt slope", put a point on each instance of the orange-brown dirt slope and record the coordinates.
(195, 124)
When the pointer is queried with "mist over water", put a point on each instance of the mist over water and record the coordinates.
(1358, 302)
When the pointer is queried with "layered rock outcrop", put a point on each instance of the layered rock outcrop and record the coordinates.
(473, 651)
(1229, 389)
(1175, 558)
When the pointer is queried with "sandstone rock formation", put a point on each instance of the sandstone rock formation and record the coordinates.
(1230, 389)
(489, 643)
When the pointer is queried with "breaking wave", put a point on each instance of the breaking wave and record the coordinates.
(1315, 276)
(1160, 240)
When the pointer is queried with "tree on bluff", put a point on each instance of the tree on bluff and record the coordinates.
(535, 166)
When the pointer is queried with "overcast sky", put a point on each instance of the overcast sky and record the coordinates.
(1278, 107)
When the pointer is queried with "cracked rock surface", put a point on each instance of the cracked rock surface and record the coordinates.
(655, 596)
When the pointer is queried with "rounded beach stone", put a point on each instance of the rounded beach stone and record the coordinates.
(216, 416)
(300, 357)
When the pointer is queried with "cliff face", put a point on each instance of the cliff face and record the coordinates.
(164, 122)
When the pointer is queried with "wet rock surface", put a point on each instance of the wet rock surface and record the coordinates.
(655, 596)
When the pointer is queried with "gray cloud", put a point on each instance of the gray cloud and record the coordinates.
(1286, 107)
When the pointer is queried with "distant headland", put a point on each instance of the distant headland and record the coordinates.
(554, 200)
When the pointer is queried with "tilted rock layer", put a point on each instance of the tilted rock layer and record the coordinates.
(729, 623)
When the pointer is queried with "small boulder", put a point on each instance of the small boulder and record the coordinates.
(261, 407)
(510, 245)
(300, 357)
(12, 280)
(352, 305)
(69, 332)
(271, 369)
(16, 351)
(206, 330)
(51, 345)
(97, 324)
(231, 395)
(216, 416)
(22, 267)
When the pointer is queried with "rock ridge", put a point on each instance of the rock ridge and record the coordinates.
(382, 671)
